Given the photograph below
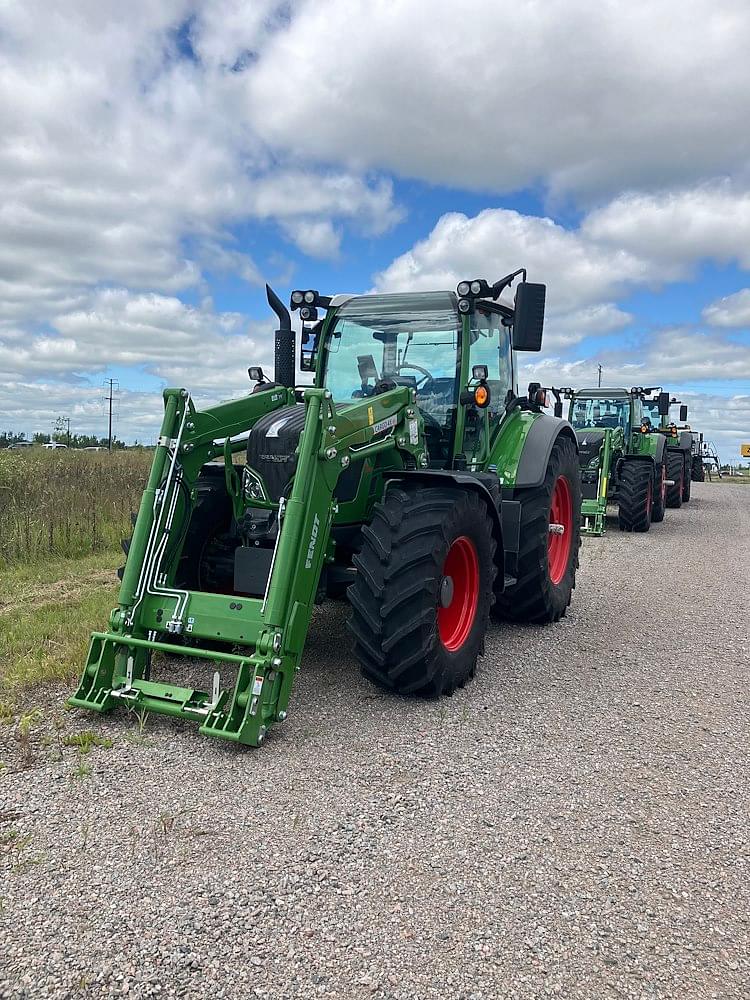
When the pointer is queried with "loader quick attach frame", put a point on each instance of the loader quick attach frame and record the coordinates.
(270, 632)
(594, 510)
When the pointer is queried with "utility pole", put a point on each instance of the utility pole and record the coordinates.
(60, 423)
(600, 375)
(112, 384)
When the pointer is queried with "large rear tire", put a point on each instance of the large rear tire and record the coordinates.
(547, 561)
(659, 493)
(675, 472)
(697, 472)
(636, 495)
(424, 585)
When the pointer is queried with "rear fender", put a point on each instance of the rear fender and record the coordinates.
(537, 448)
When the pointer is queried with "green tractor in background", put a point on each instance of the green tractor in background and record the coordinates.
(697, 471)
(622, 461)
(411, 476)
(679, 444)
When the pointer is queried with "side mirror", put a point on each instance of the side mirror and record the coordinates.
(309, 347)
(558, 408)
(528, 321)
(683, 413)
(663, 404)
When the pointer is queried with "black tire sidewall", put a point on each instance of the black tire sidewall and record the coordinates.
(470, 520)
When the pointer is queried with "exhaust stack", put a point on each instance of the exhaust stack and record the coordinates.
(284, 342)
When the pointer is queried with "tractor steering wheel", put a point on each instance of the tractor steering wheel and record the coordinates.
(426, 376)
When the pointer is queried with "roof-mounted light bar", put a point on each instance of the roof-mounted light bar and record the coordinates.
(308, 302)
(470, 290)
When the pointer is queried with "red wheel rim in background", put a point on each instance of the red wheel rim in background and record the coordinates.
(455, 620)
(558, 546)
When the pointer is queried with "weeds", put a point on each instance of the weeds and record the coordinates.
(26, 723)
(85, 740)
(137, 736)
(7, 712)
(17, 845)
(82, 771)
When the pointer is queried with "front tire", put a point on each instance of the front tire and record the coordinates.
(697, 472)
(424, 585)
(675, 472)
(686, 480)
(636, 496)
(547, 561)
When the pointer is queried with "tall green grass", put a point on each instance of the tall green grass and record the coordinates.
(67, 503)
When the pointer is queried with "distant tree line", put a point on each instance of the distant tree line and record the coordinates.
(7, 438)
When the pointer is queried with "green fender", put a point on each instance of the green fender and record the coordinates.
(521, 449)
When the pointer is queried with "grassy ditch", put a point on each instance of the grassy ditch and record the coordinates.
(46, 614)
(66, 503)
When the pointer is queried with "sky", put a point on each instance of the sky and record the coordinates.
(159, 162)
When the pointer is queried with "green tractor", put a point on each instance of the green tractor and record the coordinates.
(704, 456)
(679, 444)
(622, 461)
(410, 477)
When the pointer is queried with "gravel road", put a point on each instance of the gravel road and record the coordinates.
(574, 823)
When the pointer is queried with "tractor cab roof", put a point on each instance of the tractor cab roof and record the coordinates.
(401, 311)
(398, 302)
(602, 393)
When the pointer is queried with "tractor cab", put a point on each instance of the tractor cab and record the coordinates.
(376, 342)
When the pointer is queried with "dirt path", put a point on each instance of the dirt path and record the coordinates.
(574, 823)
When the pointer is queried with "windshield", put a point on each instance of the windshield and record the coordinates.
(380, 341)
(601, 413)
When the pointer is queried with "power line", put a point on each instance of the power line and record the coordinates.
(113, 385)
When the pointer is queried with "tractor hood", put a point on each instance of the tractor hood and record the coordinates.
(590, 440)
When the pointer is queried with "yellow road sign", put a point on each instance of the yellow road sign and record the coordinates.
(745, 450)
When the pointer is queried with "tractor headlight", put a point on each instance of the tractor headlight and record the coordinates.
(476, 287)
(464, 306)
(298, 298)
(463, 289)
(310, 297)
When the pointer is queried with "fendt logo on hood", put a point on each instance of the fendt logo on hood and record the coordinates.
(312, 542)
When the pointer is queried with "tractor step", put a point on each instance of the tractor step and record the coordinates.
(593, 517)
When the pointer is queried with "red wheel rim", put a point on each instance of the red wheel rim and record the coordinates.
(461, 566)
(558, 544)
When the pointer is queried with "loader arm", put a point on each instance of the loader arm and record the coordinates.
(270, 632)
(594, 509)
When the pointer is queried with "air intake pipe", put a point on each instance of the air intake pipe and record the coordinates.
(284, 342)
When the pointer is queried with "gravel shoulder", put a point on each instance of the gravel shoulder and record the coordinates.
(573, 823)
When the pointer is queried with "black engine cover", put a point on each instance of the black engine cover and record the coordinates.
(589, 445)
(271, 447)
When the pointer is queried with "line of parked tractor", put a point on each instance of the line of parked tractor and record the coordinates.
(631, 454)
(411, 478)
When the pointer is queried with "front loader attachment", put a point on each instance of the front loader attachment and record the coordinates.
(264, 636)
(594, 507)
